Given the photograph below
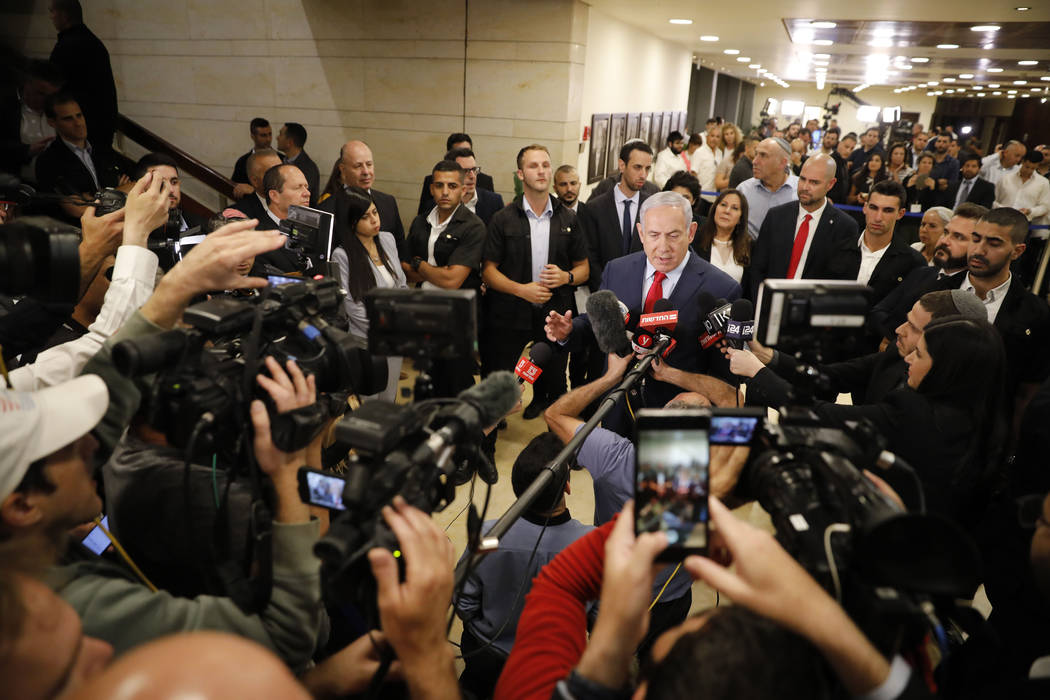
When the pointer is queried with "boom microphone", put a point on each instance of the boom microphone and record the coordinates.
(741, 325)
(529, 369)
(603, 309)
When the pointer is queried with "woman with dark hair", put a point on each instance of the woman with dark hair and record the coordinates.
(871, 174)
(898, 167)
(921, 186)
(946, 420)
(722, 239)
(365, 259)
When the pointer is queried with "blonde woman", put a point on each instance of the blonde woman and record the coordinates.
(731, 138)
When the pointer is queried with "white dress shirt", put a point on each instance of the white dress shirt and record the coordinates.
(705, 162)
(722, 258)
(993, 299)
(869, 259)
(539, 236)
(992, 168)
(669, 282)
(1033, 195)
(472, 203)
(436, 229)
(134, 274)
(813, 222)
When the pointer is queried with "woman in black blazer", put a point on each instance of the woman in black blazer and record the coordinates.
(946, 422)
(725, 232)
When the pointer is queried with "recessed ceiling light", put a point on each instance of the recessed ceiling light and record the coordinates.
(708, 37)
(920, 59)
(1028, 63)
(1011, 92)
(932, 83)
(731, 52)
(823, 42)
(1025, 95)
(1045, 77)
(948, 80)
(823, 25)
(949, 91)
(680, 21)
(1020, 82)
(980, 94)
(993, 85)
(997, 92)
(1022, 8)
(947, 46)
(995, 70)
(1012, 97)
(881, 43)
(985, 28)
(822, 55)
(966, 76)
(755, 66)
(743, 59)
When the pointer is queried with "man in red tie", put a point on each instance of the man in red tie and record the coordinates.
(808, 238)
(665, 268)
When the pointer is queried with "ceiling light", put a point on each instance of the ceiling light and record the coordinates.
(820, 82)
(986, 28)
(755, 66)
(680, 21)
(1011, 92)
(993, 85)
(980, 94)
(880, 43)
(743, 59)
(822, 55)
(997, 92)
(949, 91)
(930, 94)
(1045, 77)
(1020, 82)
(1025, 95)
(948, 80)
(995, 70)
(1022, 8)
(823, 42)
(708, 37)
(761, 71)
(932, 83)
(1012, 97)
(966, 76)
(1043, 101)
(920, 59)
(947, 46)
(1028, 63)
(960, 89)
(731, 52)
(823, 25)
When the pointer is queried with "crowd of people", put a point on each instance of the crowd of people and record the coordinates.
(207, 584)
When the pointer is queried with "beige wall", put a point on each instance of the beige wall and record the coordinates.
(913, 101)
(395, 73)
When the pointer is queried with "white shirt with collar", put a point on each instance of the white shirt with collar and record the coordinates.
(869, 259)
(992, 168)
(436, 229)
(471, 203)
(34, 126)
(539, 235)
(619, 198)
(668, 283)
(993, 300)
(273, 216)
(813, 222)
(84, 155)
(1033, 195)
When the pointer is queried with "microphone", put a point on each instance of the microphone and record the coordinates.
(741, 325)
(715, 323)
(530, 368)
(603, 309)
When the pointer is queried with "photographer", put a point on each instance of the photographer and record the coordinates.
(134, 273)
(726, 653)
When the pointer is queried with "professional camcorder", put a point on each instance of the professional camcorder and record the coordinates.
(40, 258)
(205, 376)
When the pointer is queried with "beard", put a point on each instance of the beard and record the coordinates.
(989, 270)
(948, 262)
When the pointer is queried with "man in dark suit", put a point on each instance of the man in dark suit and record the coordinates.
(357, 169)
(971, 188)
(71, 165)
(481, 202)
(612, 218)
(808, 238)
(454, 141)
(521, 288)
(869, 144)
(262, 139)
(165, 167)
(947, 272)
(290, 140)
(612, 181)
(285, 185)
(254, 205)
(445, 247)
(883, 261)
(666, 268)
(586, 362)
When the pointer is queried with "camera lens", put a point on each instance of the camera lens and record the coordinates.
(40, 262)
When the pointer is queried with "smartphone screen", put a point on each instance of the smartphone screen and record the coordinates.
(671, 479)
(321, 489)
(733, 430)
(275, 280)
(96, 540)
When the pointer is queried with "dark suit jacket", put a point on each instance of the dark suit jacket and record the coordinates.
(605, 234)
(59, 170)
(892, 311)
(868, 378)
(831, 254)
(282, 259)
(624, 279)
(389, 218)
(84, 60)
(488, 204)
(898, 260)
(1023, 322)
(460, 244)
(982, 192)
(253, 209)
(426, 202)
(313, 176)
(608, 183)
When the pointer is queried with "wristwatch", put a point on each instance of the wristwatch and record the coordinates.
(571, 278)
(416, 262)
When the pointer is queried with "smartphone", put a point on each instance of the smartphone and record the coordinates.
(672, 454)
(321, 489)
(275, 280)
(96, 540)
(736, 426)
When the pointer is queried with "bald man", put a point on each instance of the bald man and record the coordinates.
(254, 205)
(1007, 161)
(773, 183)
(808, 238)
(357, 169)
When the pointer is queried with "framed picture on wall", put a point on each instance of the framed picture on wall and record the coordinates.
(658, 133)
(617, 129)
(645, 125)
(632, 126)
(599, 147)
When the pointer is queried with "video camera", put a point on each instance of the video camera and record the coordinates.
(40, 258)
(205, 376)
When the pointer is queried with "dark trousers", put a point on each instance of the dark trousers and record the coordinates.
(483, 666)
(449, 377)
(664, 616)
(502, 348)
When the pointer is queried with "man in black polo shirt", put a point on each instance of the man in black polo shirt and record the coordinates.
(534, 254)
(444, 252)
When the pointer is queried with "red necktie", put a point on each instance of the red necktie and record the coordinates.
(656, 291)
(800, 245)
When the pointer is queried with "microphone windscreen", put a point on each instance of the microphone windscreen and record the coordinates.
(705, 303)
(742, 310)
(603, 309)
(540, 354)
(494, 397)
(662, 305)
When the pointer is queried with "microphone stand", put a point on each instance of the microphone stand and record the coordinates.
(490, 540)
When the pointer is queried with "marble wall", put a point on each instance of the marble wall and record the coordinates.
(399, 74)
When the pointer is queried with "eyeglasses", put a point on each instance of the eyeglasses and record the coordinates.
(474, 171)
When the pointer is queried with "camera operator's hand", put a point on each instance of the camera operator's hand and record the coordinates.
(413, 612)
(768, 581)
(623, 616)
(290, 390)
(743, 363)
(349, 671)
(558, 326)
(211, 265)
(146, 209)
(100, 238)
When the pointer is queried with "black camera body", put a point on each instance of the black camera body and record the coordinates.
(40, 258)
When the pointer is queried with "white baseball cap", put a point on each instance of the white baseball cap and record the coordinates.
(36, 424)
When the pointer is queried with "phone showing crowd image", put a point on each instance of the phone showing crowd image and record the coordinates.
(321, 489)
(672, 455)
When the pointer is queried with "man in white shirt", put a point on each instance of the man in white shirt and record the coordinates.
(1025, 191)
(996, 165)
(669, 161)
(773, 183)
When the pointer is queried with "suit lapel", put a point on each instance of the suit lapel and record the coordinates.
(632, 283)
(689, 282)
(818, 249)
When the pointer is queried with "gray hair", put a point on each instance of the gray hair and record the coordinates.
(944, 213)
(666, 199)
